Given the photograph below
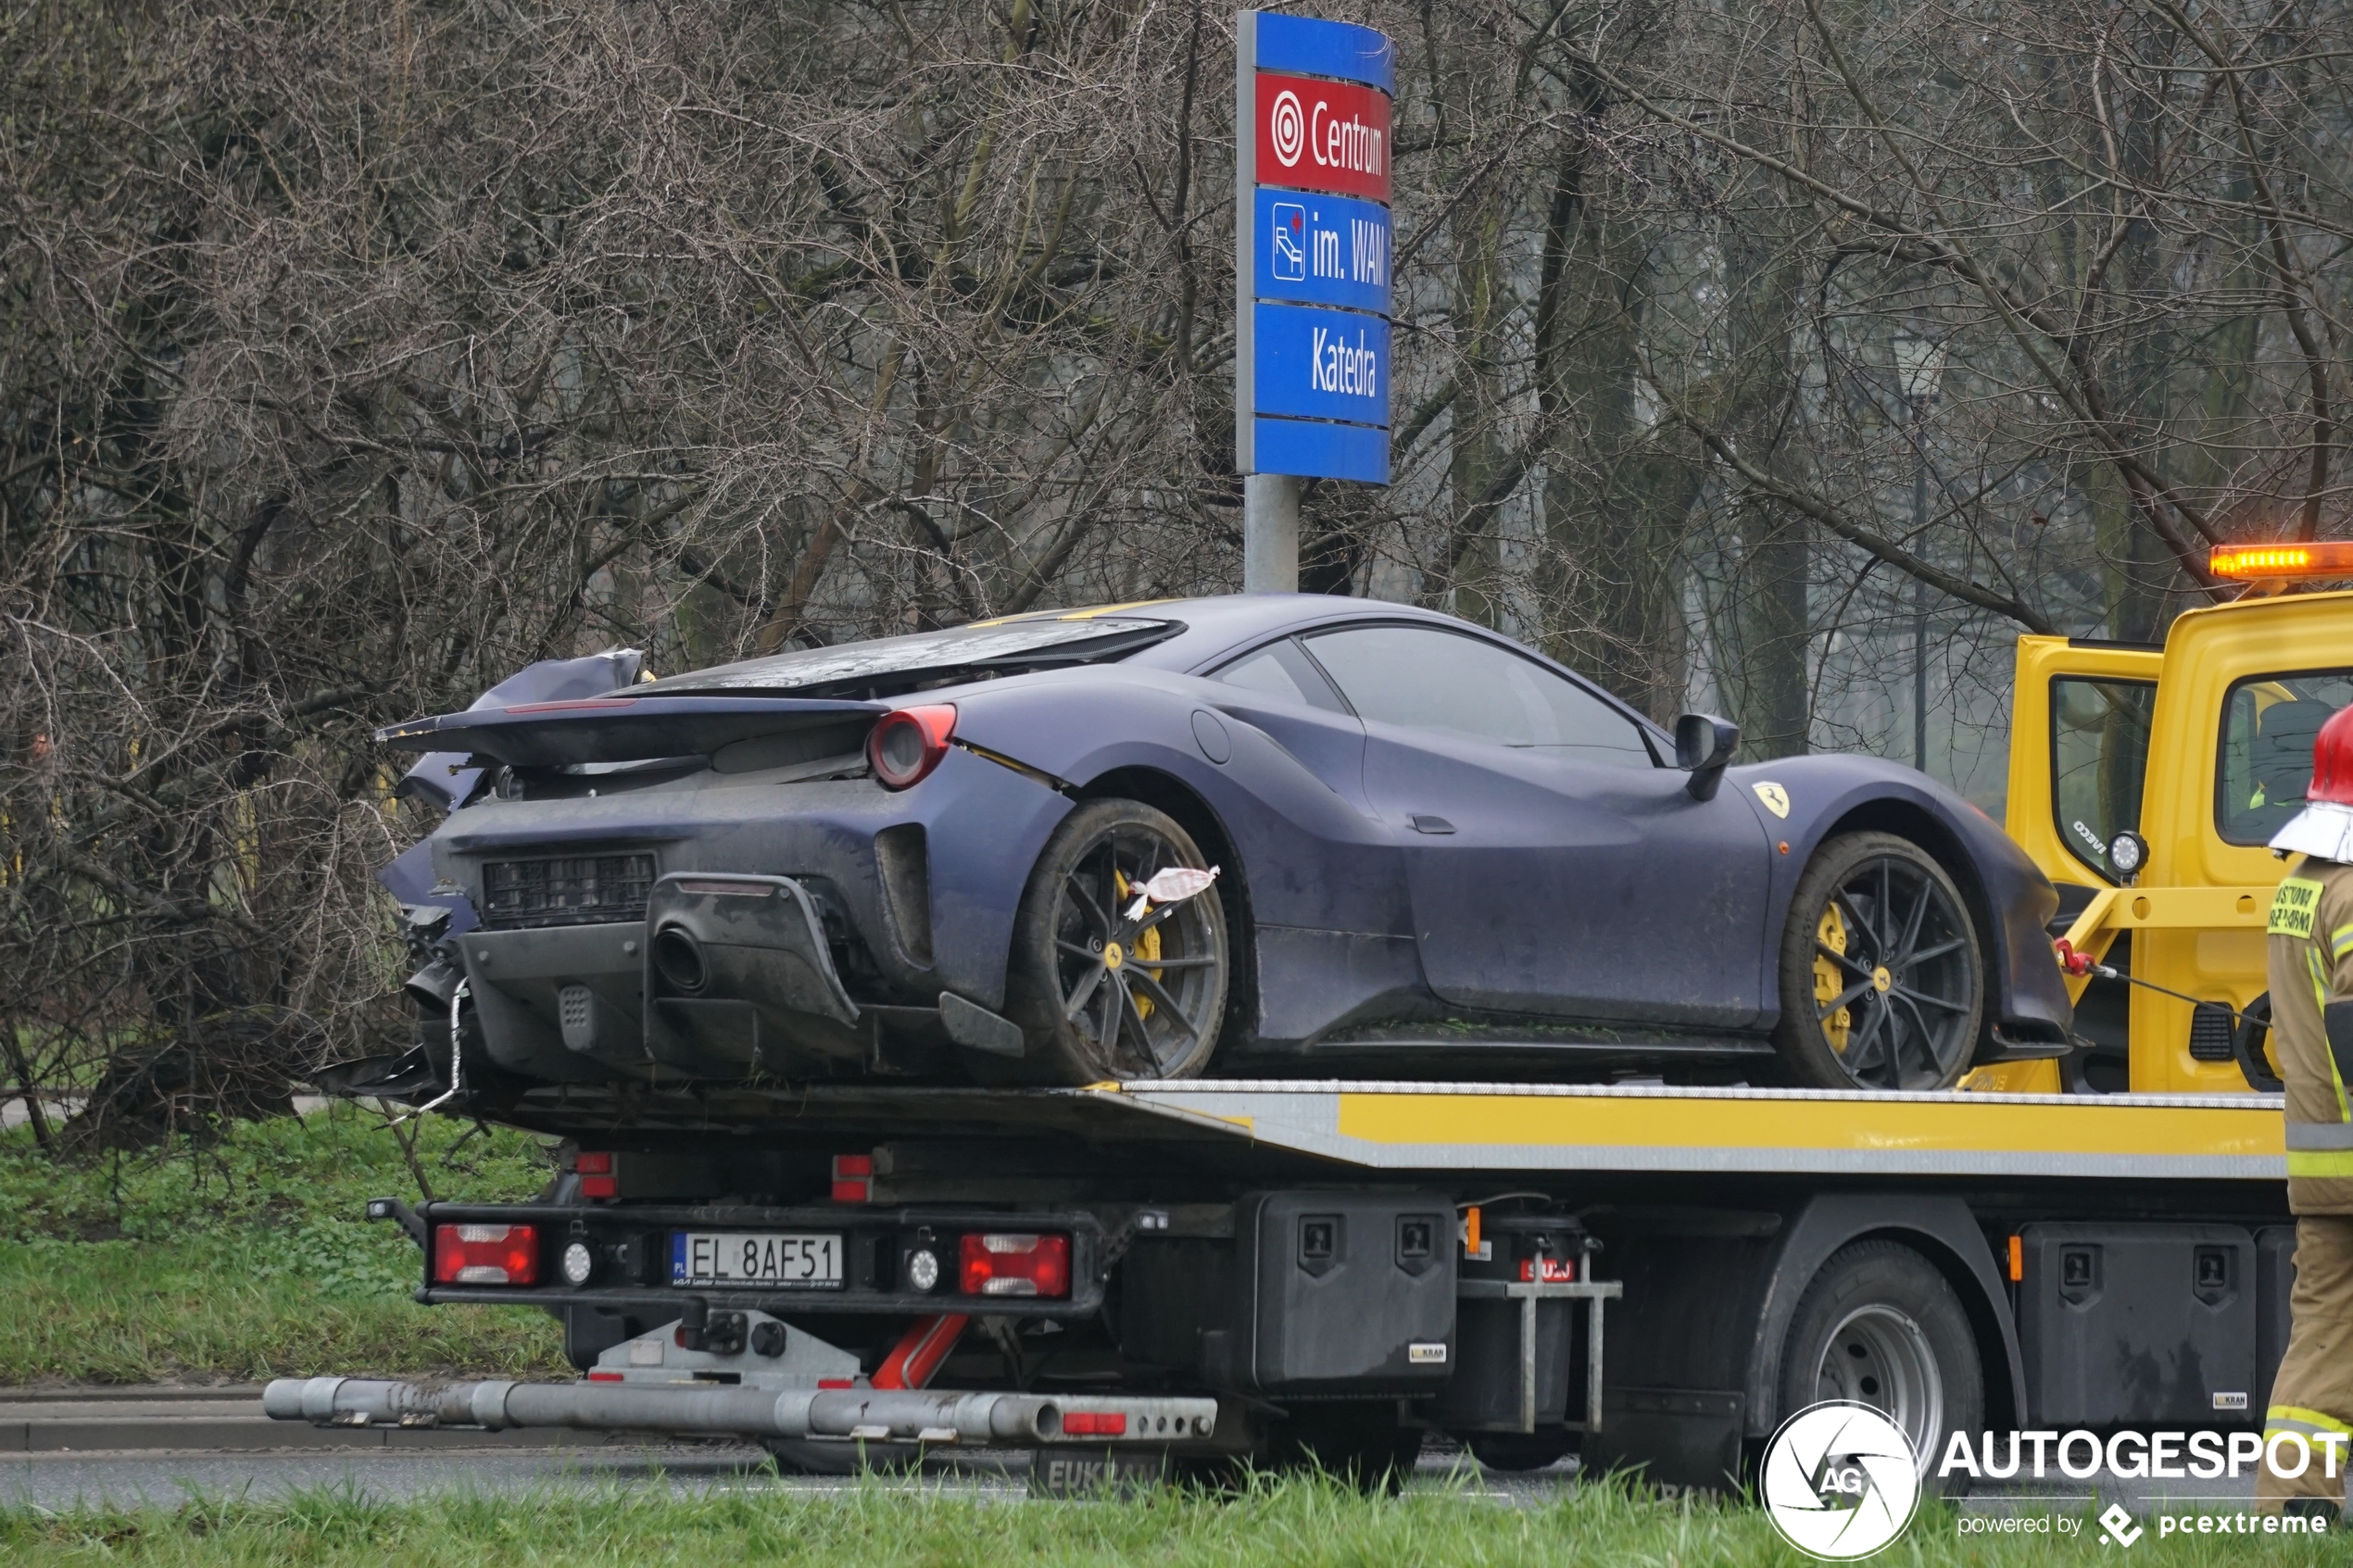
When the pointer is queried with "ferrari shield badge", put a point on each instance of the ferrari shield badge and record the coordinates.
(1776, 799)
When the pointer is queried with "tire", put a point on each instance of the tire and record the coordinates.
(1881, 1326)
(1882, 980)
(1519, 1452)
(798, 1457)
(1149, 1010)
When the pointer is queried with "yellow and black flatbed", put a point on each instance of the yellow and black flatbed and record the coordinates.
(1402, 1127)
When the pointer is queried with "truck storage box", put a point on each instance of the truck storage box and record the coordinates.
(1345, 1292)
(2131, 1324)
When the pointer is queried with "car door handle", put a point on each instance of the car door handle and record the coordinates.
(1431, 824)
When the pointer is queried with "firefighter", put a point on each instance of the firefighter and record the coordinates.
(2311, 977)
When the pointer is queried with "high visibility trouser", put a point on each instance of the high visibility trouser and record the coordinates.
(2325, 1444)
(2321, 1151)
(2311, 1407)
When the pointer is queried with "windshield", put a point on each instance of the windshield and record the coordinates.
(890, 666)
(2099, 754)
(2269, 725)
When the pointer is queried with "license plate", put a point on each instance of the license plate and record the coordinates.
(793, 1260)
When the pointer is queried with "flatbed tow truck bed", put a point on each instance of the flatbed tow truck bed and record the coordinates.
(1562, 1129)
(1260, 1267)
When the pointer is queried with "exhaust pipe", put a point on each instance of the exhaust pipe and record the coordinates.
(868, 1414)
(678, 960)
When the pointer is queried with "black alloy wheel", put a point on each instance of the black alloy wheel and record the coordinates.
(1105, 991)
(1882, 983)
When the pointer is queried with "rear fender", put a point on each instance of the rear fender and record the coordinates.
(1313, 858)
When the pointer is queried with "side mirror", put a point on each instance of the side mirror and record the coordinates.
(1703, 747)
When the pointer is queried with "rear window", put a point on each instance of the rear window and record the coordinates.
(2269, 725)
(892, 666)
(2099, 757)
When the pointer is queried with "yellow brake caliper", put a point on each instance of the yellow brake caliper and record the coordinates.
(1147, 942)
(1829, 979)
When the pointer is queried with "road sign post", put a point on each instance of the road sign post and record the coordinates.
(1311, 190)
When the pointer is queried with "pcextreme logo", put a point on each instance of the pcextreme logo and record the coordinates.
(1840, 1481)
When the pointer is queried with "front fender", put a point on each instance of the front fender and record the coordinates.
(1829, 795)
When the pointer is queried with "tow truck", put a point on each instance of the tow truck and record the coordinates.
(1124, 1278)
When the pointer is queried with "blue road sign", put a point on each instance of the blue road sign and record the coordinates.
(1322, 250)
(1321, 365)
(1312, 274)
(1314, 449)
(1300, 45)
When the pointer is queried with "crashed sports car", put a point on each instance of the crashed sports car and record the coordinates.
(1269, 835)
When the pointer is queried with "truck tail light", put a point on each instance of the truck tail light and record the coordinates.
(597, 1176)
(995, 1263)
(907, 744)
(1095, 1423)
(853, 1178)
(485, 1254)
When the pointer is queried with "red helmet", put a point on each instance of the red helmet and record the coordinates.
(2333, 761)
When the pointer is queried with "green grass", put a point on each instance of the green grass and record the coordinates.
(246, 1258)
(1300, 1523)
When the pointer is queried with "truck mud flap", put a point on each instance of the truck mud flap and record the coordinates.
(1670, 1437)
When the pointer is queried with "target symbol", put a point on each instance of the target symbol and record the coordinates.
(1290, 127)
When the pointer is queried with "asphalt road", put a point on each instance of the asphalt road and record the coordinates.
(159, 1447)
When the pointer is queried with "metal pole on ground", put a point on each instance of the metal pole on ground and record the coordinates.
(1270, 533)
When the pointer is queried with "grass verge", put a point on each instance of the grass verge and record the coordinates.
(246, 1258)
(1299, 1521)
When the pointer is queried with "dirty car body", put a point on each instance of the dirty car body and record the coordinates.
(1437, 853)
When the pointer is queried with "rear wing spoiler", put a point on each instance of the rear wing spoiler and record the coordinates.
(622, 729)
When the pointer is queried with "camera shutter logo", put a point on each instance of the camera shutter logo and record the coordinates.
(1290, 128)
(1840, 1480)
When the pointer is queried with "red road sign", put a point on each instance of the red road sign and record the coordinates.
(1323, 136)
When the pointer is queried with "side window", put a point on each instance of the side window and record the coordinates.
(1281, 670)
(2269, 725)
(2100, 756)
(1427, 678)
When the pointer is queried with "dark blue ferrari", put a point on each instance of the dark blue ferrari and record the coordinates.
(1270, 835)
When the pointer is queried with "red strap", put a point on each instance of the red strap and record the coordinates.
(918, 1354)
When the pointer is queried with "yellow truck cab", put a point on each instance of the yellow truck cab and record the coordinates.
(2146, 782)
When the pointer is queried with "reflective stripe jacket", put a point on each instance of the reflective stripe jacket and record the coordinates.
(2311, 938)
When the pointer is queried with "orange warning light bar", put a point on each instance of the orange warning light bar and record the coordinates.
(2331, 557)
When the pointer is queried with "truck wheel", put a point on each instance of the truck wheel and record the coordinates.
(798, 1457)
(1882, 984)
(1881, 1326)
(1101, 996)
(1519, 1452)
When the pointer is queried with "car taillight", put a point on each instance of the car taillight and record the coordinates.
(907, 744)
(999, 1264)
(485, 1254)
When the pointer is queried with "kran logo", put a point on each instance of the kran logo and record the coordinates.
(1840, 1480)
